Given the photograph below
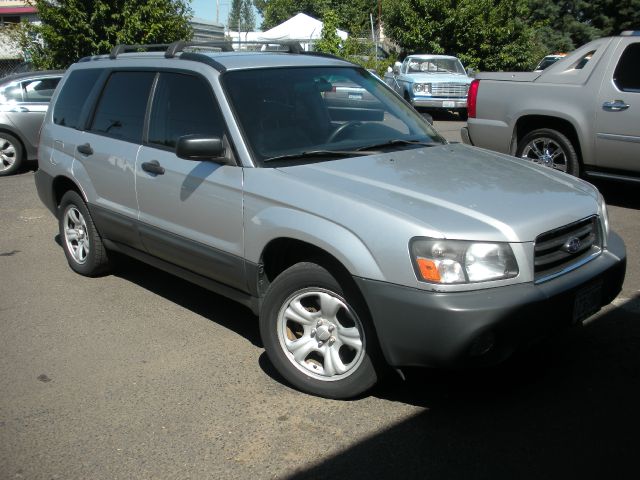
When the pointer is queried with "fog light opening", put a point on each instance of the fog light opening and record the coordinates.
(483, 344)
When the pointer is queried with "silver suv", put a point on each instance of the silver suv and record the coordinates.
(359, 236)
(24, 99)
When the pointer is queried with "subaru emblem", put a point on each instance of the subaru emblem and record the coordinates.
(572, 245)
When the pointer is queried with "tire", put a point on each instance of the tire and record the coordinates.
(550, 148)
(11, 154)
(80, 239)
(307, 312)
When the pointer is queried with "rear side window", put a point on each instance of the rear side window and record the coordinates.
(627, 74)
(39, 89)
(73, 95)
(183, 105)
(121, 110)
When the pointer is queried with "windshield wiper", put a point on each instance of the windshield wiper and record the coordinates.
(399, 141)
(317, 154)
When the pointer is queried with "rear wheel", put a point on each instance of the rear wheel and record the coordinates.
(11, 154)
(81, 242)
(317, 336)
(550, 148)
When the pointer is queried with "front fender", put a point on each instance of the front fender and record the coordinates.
(284, 222)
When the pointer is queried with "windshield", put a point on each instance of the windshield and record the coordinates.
(308, 113)
(434, 65)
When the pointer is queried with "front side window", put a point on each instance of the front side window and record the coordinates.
(301, 113)
(627, 73)
(434, 65)
(74, 93)
(183, 105)
(122, 107)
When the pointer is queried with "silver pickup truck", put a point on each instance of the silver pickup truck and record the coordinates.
(581, 115)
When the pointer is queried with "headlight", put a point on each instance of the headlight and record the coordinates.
(457, 261)
(604, 216)
(422, 87)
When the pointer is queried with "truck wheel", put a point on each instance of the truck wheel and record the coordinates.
(549, 148)
(316, 336)
(11, 154)
(81, 242)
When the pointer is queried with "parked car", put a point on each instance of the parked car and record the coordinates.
(431, 81)
(548, 61)
(360, 240)
(24, 99)
(581, 115)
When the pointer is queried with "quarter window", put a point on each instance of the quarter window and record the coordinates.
(122, 106)
(74, 93)
(627, 73)
(183, 105)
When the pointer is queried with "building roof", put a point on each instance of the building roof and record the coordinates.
(17, 10)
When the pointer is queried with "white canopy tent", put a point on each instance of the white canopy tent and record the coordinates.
(300, 28)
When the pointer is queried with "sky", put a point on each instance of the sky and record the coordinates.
(207, 9)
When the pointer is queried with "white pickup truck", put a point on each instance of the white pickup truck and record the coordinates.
(581, 115)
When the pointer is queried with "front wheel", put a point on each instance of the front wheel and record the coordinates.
(549, 148)
(317, 337)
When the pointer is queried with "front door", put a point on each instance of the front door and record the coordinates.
(190, 211)
(618, 111)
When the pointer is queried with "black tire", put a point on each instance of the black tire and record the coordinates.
(463, 114)
(558, 144)
(11, 154)
(318, 370)
(80, 239)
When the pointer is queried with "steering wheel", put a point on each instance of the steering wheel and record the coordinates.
(342, 128)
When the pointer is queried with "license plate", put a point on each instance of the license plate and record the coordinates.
(587, 302)
(355, 96)
(448, 104)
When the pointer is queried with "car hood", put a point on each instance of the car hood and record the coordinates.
(448, 191)
(437, 78)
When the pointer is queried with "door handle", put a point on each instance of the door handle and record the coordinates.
(85, 149)
(153, 167)
(615, 106)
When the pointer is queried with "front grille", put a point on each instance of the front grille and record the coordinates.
(449, 89)
(565, 247)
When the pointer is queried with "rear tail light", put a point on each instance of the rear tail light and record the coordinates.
(472, 98)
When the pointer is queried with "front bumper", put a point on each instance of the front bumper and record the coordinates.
(445, 103)
(421, 328)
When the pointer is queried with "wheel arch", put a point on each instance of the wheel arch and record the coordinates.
(528, 123)
(61, 185)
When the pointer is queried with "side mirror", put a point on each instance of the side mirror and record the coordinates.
(201, 147)
(396, 68)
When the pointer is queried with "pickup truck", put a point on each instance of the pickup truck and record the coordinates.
(581, 115)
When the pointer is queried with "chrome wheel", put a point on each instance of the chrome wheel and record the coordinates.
(547, 152)
(8, 154)
(76, 235)
(320, 334)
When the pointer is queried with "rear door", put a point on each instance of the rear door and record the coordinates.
(28, 114)
(190, 211)
(108, 149)
(618, 111)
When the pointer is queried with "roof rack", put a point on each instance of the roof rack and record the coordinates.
(179, 46)
(118, 49)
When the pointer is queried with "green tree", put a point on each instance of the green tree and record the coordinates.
(484, 34)
(242, 17)
(568, 24)
(352, 16)
(329, 41)
(72, 29)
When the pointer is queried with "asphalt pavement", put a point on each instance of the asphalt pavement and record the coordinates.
(139, 375)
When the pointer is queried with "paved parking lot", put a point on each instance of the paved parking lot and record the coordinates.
(141, 375)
